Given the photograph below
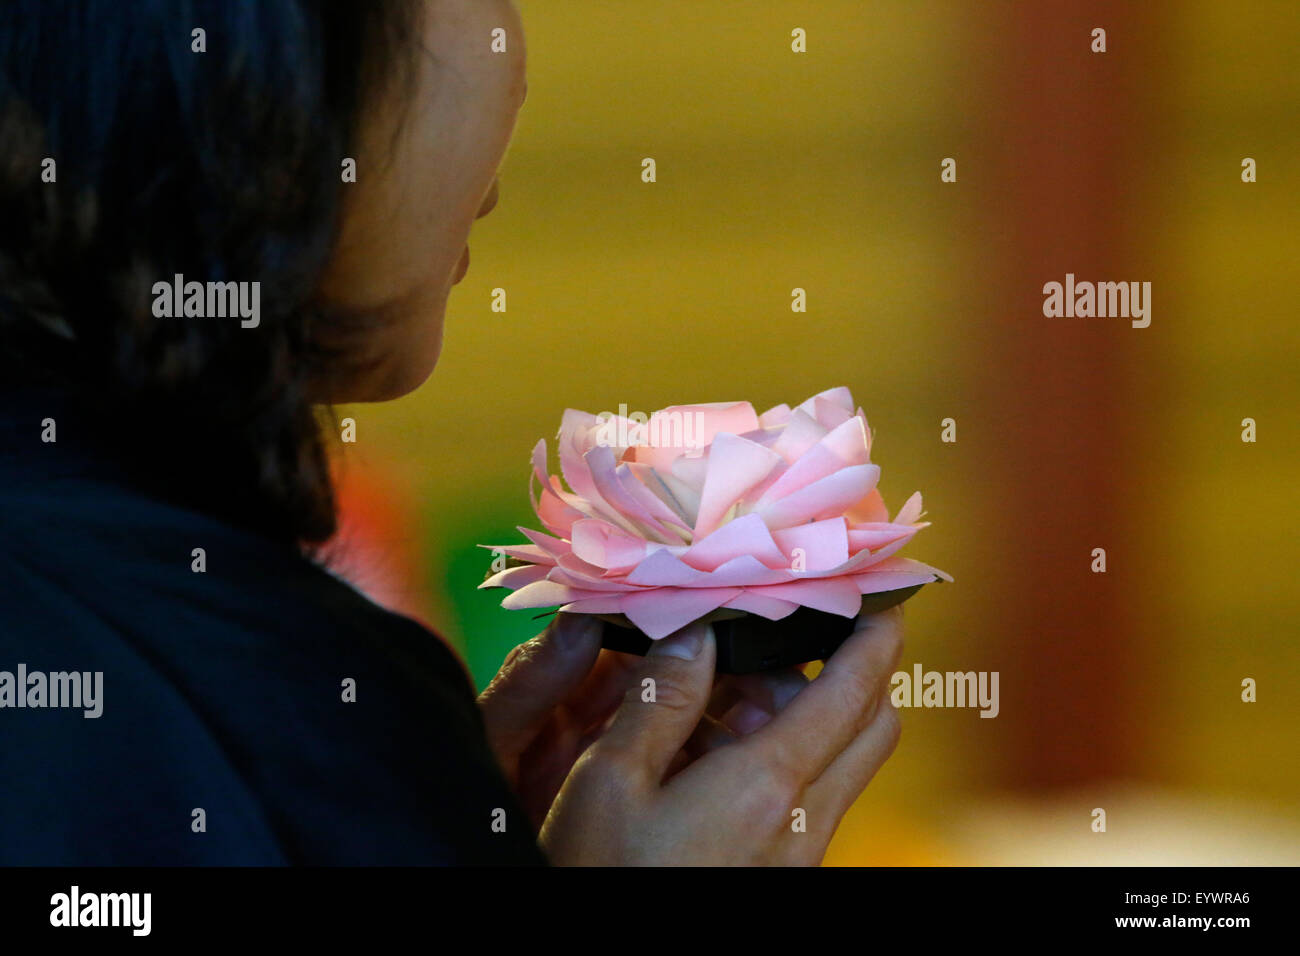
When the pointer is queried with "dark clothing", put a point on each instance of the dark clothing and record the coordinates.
(221, 690)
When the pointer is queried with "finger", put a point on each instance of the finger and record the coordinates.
(744, 718)
(663, 706)
(709, 735)
(830, 795)
(724, 695)
(769, 691)
(759, 698)
(603, 688)
(543, 766)
(536, 676)
(824, 718)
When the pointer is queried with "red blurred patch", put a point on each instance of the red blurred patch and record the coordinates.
(377, 547)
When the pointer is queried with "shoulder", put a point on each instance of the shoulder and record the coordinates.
(306, 723)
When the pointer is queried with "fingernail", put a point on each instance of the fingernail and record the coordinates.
(685, 645)
(745, 717)
(876, 618)
(784, 693)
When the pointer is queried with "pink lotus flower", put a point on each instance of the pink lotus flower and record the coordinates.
(712, 508)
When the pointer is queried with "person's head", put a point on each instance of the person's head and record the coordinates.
(403, 239)
(335, 153)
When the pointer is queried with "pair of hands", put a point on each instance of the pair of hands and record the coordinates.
(740, 770)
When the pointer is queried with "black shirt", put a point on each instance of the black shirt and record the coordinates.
(222, 690)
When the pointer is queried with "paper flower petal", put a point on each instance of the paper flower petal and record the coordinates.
(744, 535)
(823, 498)
(734, 466)
(657, 617)
(708, 506)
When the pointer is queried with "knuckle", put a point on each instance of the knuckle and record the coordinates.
(893, 726)
(891, 645)
(776, 777)
(611, 769)
(521, 663)
(768, 805)
(511, 657)
(671, 690)
(856, 694)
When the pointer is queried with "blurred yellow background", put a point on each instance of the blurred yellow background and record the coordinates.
(821, 171)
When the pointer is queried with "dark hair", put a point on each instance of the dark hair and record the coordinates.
(223, 165)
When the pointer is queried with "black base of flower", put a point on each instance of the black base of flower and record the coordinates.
(751, 643)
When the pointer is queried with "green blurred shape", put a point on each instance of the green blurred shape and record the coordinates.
(471, 618)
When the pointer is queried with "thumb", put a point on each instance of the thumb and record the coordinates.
(665, 704)
(535, 678)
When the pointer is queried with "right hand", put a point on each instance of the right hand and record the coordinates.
(632, 800)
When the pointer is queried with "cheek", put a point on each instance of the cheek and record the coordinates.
(409, 351)
(397, 347)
